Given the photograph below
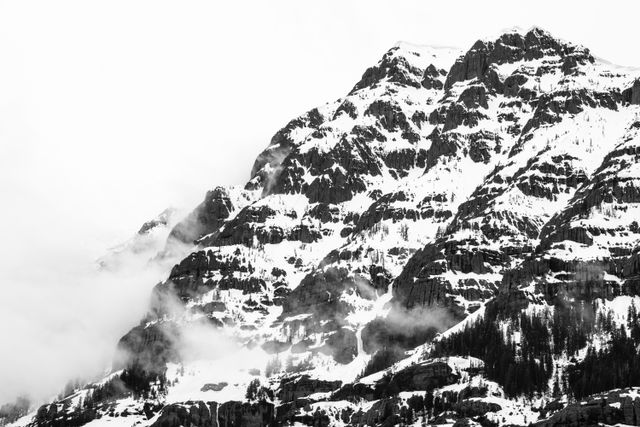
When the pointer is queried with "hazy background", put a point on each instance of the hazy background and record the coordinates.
(111, 111)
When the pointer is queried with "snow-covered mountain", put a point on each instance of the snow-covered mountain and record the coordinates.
(455, 241)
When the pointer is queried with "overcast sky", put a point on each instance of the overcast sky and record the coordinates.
(112, 110)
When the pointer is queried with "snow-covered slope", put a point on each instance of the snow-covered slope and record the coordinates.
(449, 243)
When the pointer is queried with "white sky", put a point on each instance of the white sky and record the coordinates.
(112, 110)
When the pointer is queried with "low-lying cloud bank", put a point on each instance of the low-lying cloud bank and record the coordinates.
(61, 317)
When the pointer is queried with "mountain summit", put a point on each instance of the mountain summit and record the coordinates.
(455, 241)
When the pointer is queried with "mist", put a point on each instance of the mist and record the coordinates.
(64, 318)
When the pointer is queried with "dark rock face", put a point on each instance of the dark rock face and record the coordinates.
(337, 187)
(415, 286)
(238, 414)
(368, 133)
(510, 47)
(212, 414)
(193, 414)
(475, 408)
(480, 146)
(574, 280)
(325, 213)
(188, 278)
(609, 185)
(214, 386)
(610, 408)
(292, 389)
(635, 93)
(405, 159)
(148, 348)
(474, 97)
(319, 293)
(248, 228)
(245, 226)
(460, 407)
(423, 376)
(347, 108)
(383, 209)
(206, 218)
(513, 83)
(391, 116)
(354, 392)
(456, 114)
(51, 416)
(383, 412)
(442, 145)
(551, 108)
(554, 178)
(632, 94)
(394, 69)
(433, 78)
(331, 184)
(281, 145)
(541, 179)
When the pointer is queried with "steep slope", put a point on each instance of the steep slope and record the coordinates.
(454, 241)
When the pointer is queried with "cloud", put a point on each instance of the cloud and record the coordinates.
(61, 318)
(403, 328)
(406, 321)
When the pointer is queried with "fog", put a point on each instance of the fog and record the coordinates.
(111, 111)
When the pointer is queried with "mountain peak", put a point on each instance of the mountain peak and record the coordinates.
(514, 46)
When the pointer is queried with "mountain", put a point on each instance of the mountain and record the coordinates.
(455, 241)
(153, 241)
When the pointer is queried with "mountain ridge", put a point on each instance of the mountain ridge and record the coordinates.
(488, 193)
